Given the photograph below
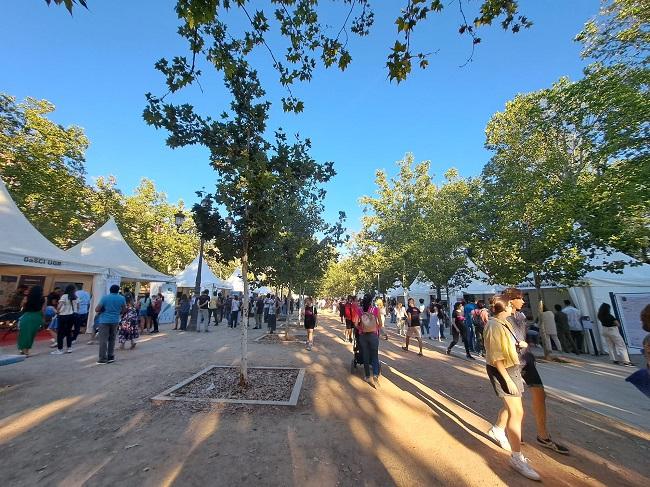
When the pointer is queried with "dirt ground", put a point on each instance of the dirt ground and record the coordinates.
(65, 421)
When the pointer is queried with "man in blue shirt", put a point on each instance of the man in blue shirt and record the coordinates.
(111, 307)
(83, 298)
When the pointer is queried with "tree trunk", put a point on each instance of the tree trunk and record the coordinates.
(287, 325)
(540, 310)
(243, 368)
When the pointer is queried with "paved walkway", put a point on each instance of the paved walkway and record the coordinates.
(66, 421)
(590, 382)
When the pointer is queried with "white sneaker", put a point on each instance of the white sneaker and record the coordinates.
(68, 350)
(521, 465)
(499, 437)
(57, 352)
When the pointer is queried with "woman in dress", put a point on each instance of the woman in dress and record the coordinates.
(434, 322)
(310, 321)
(31, 320)
(129, 325)
(617, 348)
(504, 372)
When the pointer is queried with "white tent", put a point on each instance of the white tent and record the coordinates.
(396, 291)
(22, 245)
(187, 277)
(421, 289)
(600, 286)
(107, 247)
(478, 286)
(236, 281)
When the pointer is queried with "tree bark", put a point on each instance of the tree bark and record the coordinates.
(243, 368)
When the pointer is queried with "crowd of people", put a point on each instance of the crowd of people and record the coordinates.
(498, 331)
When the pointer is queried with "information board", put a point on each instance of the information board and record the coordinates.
(629, 308)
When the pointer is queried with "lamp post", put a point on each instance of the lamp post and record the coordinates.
(179, 219)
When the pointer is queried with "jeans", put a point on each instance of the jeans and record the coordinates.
(424, 325)
(234, 315)
(184, 316)
(213, 312)
(80, 322)
(107, 333)
(369, 343)
(271, 322)
(203, 319)
(462, 333)
(64, 330)
(470, 335)
(479, 346)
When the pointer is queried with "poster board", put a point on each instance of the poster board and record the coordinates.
(628, 307)
(168, 309)
(8, 286)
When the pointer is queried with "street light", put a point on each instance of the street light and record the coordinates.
(179, 219)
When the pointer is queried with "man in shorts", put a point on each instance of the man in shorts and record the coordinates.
(529, 372)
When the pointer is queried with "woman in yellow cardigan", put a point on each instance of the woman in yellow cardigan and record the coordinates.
(502, 364)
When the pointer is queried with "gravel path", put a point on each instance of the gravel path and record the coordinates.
(66, 421)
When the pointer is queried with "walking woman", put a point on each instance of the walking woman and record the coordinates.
(434, 322)
(503, 370)
(400, 315)
(145, 312)
(31, 320)
(458, 329)
(67, 310)
(310, 321)
(369, 329)
(413, 322)
(129, 329)
(615, 343)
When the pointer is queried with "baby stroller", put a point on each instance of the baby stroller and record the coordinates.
(357, 359)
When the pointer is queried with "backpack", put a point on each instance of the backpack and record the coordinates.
(368, 322)
(476, 318)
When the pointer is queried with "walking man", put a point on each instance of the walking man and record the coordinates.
(234, 311)
(110, 309)
(213, 305)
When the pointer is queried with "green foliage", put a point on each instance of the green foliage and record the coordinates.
(619, 34)
(340, 279)
(42, 164)
(69, 4)
(414, 226)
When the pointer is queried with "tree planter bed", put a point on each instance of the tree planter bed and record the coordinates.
(277, 386)
(281, 338)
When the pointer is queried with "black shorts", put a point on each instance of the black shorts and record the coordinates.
(529, 372)
(310, 325)
(499, 383)
(349, 325)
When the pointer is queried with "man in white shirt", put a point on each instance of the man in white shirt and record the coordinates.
(575, 326)
(234, 311)
(83, 298)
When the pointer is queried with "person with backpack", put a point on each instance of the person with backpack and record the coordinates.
(351, 316)
(459, 330)
(413, 322)
(480, 318)
(310, 314)
(369, 328)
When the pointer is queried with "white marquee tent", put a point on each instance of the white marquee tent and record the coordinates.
(107, 247)
(22, 245)
(236, 281)
(421, 289)
(187, 277)
(477, 287)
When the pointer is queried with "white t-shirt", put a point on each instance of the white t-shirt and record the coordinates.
(235, 305)
(66, 307)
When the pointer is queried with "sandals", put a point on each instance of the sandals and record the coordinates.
(551, 445)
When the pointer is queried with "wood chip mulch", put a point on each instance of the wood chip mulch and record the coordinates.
(223, 383)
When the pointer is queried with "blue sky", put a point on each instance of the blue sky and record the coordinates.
(97, 65)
